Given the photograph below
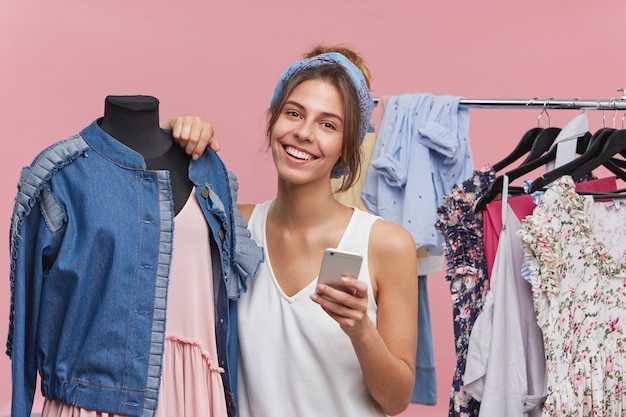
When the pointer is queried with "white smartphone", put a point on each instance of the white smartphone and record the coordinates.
(337, 263)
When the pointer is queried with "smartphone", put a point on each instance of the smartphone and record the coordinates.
(337, 263)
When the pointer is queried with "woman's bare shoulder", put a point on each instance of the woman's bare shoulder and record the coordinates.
(389, 238)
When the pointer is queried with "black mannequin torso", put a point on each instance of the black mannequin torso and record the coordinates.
(134, 121)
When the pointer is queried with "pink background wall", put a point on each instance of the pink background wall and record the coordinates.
(221, 60)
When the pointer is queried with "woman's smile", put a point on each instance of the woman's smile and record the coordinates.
(298, 154)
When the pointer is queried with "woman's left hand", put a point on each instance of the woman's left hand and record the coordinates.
(349, 310)
(193, 134)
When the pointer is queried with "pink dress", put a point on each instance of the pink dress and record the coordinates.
(191, 382)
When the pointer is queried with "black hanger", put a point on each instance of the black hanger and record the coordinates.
(542, 144)
(534, 160)
(596, 145)
(616, 165)
(614, 144)
(617, 194)
(523, 147)
(620, 163)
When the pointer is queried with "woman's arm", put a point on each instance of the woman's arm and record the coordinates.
(387, 356)
(192, 133)
(386, 351)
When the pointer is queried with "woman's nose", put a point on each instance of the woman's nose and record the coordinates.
(304, 131)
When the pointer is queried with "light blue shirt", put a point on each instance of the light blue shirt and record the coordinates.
(422, 150)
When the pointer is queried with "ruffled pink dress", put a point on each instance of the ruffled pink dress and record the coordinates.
(191, 382)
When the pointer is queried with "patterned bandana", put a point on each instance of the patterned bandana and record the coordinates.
(365, 99)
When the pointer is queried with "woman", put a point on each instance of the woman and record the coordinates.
(302, 354)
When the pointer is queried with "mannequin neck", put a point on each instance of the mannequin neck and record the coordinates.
(134, 121)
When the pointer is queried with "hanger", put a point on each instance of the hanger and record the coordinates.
(595, 145)
(542, 144)
(531, 163)
(529, 143)
(605, 144)
(523, 147)
(614, 144)
(616, 162)
(617, 194)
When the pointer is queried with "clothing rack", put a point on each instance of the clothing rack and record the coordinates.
(577, 103)
(550, 103)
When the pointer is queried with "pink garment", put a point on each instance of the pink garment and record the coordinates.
(523, 206)
(191, 384)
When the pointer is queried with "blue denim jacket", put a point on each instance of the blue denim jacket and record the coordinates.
(90, 242)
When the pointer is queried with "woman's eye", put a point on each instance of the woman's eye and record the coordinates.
(329, 126)
(292, 113)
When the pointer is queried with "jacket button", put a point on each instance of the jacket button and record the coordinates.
(205, 193)
(221, 234)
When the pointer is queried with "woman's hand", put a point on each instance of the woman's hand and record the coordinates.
(349, 310)
(193, 134)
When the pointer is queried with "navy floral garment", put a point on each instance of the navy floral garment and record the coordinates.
(466, 269)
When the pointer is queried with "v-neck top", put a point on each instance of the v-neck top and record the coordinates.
(294, 358)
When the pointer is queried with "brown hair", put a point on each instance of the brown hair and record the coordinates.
(352, 55)
(335, 75)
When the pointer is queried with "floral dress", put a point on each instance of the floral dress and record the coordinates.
(466, 270)
(576, 251)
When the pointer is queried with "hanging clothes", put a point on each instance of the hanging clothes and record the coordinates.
(425, 386)
(505, 363)
(523, 206)
(505, 367)
(456, 233)
(466, 271)
(575, 250)
(422, 150)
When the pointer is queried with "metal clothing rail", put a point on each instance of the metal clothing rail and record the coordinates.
(552, 103)
(548, 103)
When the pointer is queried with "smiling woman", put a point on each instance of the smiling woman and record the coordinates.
(354, 349)
(317, 120)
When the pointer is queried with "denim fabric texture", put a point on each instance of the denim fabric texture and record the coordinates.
(90, 243)
(425, 388)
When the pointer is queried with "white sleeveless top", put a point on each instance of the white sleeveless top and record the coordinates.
(295, 361)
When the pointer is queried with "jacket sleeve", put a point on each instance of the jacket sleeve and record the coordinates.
(31, 242)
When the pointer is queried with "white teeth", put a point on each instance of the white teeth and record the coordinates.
(298, 154)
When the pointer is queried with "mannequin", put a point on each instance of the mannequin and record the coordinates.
(134, 121)
(108, 287)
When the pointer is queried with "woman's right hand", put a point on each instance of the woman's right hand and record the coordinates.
(193, 134)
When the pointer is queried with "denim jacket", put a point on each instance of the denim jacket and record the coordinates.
(90, 242)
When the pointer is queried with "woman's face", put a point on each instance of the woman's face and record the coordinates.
(306, 139)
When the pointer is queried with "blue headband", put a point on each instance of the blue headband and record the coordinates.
(366, 103)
